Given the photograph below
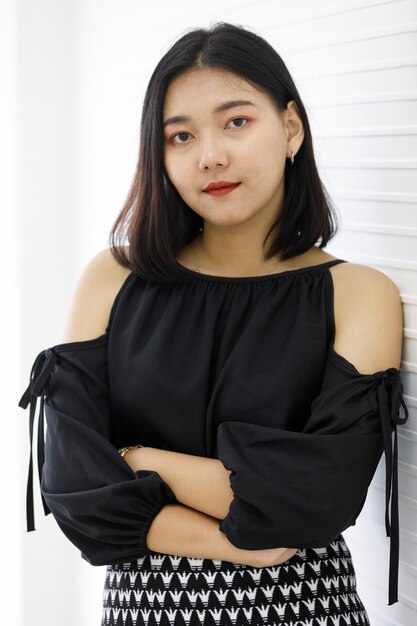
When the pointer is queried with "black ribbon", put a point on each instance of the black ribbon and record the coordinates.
(390, 399)
(39, 376)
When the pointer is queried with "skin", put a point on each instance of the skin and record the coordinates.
(367, 303)
(246, 144)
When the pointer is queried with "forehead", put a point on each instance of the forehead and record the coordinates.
(206, 87)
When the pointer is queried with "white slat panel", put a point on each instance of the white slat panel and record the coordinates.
(357, 142)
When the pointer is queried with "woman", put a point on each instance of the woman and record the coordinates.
(222, 372)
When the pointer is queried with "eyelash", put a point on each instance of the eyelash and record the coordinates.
(183, 132)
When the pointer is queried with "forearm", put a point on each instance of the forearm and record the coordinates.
(198, 482)
(181, 531)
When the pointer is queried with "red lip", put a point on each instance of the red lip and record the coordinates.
(220, 185)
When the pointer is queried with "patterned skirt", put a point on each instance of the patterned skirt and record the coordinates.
(316, 587)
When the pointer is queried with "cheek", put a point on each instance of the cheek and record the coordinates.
(272, 146)
(266, 147)
(180, 177)
(175, 173)
(268, 158)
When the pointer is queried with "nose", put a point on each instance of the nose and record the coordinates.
(212, 154)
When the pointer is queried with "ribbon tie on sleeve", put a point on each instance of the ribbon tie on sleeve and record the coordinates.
(39, 375)
(390, 399)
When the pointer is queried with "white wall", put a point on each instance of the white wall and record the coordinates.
(46, 162)
(80, 76)
(11, 437)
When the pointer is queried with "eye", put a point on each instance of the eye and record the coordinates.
(171, 139)
(236, 119)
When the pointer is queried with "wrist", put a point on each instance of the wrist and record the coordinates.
(125, 450)
(131, 455)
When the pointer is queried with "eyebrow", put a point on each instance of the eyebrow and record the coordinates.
(222, 107)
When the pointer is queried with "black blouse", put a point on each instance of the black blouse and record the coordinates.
(242, 369)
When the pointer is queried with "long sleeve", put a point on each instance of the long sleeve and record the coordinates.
(102, 507)
(302, 489)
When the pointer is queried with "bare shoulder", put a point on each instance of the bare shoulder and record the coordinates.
(348, 277)
(368, 317)
(94, 295)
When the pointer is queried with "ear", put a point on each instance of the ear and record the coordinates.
(294, 127)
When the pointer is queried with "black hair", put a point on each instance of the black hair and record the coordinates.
(155, 221)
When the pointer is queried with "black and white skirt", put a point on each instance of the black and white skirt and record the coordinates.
(316, 587)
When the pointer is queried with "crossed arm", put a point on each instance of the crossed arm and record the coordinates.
(198, 482)
(191, 528)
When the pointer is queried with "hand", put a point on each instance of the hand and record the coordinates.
(265, 558)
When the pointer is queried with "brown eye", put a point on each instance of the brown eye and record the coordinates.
(177, 135)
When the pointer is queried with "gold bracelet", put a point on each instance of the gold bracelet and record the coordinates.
(123, 451)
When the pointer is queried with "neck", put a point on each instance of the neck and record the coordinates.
(233, 257)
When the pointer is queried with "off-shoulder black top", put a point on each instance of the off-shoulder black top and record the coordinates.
(237, 368)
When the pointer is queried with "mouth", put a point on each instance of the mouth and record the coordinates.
(221, 191)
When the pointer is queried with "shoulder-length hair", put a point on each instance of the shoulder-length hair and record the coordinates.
(155, 221)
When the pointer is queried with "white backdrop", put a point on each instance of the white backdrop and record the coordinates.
(73, 77)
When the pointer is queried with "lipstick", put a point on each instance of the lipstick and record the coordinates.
(222, 191)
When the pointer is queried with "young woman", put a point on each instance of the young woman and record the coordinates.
(226, 387)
